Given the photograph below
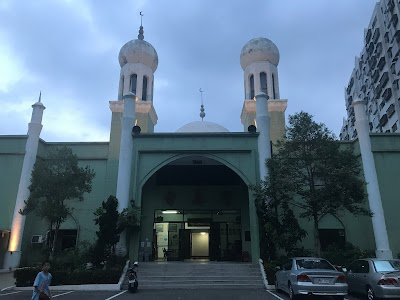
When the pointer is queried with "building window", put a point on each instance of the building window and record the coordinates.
(263, 82)
(252, 86)
(133, 83)
(144, 89)
(394, 127)
(122, 87)
(66, 238)
(330, 237)
(273, 86)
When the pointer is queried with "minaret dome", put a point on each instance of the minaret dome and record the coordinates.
(138, 51)
(257, 50)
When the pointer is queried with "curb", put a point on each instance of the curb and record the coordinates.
(264, 276)
(121, 279)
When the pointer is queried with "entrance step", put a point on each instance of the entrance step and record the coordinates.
(192, 275)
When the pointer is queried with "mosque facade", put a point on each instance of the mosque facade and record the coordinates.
(192, 186)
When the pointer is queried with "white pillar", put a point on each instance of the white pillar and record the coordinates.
(126, 151)
(374, 196)
(264, 141)
(13, 255)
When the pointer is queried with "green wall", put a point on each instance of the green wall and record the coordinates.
(386, 150)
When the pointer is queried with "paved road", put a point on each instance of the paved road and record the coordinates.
(236, 294)
(6, 280)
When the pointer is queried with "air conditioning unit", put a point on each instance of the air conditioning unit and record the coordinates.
(37, 239)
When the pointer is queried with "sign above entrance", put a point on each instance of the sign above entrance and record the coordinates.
(192, 222)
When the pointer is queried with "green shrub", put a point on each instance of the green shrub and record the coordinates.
(343, 256)
(270, 270)
(26, 276)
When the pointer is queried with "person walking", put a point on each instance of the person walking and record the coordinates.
(42, 282)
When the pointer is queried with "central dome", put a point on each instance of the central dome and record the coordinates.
(259, 49)
(202, 126)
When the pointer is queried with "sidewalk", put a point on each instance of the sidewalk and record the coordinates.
(6, 280)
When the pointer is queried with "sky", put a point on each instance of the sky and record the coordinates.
(68, 49)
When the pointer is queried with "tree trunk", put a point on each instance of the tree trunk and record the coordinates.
(316, 236)
(53, 248)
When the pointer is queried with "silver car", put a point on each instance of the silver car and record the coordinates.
(310, 276)
(376, 278)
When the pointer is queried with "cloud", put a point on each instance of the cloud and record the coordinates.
(69, 50)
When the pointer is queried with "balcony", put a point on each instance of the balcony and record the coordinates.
(397, 67)
(375, 76)
(372, 62)
(386, 37)
(395, 84)
(391, 110)
(363, 88)
(396, 36)
(383, 120)
(395, 49)
(378, 49)
(368, 36)
(394, 20)
(370, 49)
(387, 94)
(384, 79)
(350, 86)
(376, 35)
(381, 63)
(378, 91)
(349, 100)
(391, 5)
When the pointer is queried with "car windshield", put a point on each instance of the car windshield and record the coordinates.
(313, 263)
(387, 265)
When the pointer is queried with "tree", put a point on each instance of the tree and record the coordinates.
(107, 217)
(129, 218)
(279, 226)
(54, 181)
(313, 173)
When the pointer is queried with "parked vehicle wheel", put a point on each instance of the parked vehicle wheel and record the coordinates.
(276, 285)
(370, 293)
(292, 296)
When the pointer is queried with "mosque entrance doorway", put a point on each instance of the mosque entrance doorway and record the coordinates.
(194, 234)
(198, 209)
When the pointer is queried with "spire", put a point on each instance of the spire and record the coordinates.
(141, 35)
(40, 97)
(202, 113)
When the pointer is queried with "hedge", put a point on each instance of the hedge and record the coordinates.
(26, 276)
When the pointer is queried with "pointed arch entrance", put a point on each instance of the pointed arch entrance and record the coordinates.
(195, 206)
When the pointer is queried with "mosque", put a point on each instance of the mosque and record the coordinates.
(192, 185)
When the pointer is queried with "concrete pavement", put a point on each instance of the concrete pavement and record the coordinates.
(179, 294)
(6, 280)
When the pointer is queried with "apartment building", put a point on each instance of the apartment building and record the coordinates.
(375, 77)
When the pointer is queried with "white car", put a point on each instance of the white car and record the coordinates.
(310, 276)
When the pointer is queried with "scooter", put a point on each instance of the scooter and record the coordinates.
(132, 276)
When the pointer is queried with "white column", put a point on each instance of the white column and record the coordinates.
(374, 196)
(126, 151)
(13, 255)
(263, 121)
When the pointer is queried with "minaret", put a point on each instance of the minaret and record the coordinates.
(13, 255)
(259, 59)
(138, 60)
